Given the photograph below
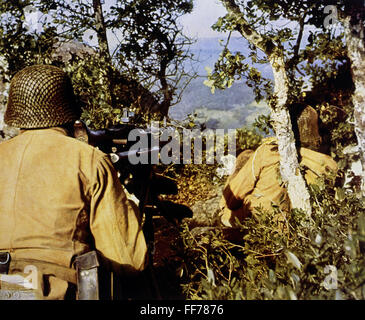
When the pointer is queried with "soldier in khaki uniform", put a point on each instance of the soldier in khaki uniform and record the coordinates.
(59, 196)
(257, 184)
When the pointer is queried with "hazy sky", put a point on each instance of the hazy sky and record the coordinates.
(205, 14)
(197, 24)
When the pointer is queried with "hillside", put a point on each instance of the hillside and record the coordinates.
(230, 108)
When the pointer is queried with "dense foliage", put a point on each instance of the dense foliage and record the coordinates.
(134, 50)
(320, 259)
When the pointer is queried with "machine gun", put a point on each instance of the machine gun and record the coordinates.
(140, 180)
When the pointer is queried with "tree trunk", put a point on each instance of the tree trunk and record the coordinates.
(289, 165)
(104, 51)
(354, 31)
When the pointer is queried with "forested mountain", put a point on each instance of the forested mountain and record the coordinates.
(231, 108)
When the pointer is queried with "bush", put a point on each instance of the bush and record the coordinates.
(245, 139)
(317, 258)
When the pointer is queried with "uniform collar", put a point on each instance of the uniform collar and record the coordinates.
(57, 130)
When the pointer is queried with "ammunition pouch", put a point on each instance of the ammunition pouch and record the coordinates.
(87, 276)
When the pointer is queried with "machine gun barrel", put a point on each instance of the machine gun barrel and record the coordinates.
(117, 156)
(114, 136)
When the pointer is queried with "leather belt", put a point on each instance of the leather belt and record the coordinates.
(62, 272)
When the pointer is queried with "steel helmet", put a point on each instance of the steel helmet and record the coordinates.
(41, 96)
(305, 124)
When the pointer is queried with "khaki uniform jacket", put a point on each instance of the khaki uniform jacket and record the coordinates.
(258, 182)
(61, 197)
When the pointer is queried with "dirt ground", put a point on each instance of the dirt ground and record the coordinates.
(202, 197)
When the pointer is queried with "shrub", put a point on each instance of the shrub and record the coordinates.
(317, 258)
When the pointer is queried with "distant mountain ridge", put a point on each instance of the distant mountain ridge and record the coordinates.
(230, 108)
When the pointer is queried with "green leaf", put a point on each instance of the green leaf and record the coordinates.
(293, 259)
(208, 70)
(340, 194)
(272, 276)
(209, 83)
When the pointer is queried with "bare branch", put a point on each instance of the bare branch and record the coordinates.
(246, 30)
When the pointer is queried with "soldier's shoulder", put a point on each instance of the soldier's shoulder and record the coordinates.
(81, 147)
(85, 147)
(321, 158)
(269, 144)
